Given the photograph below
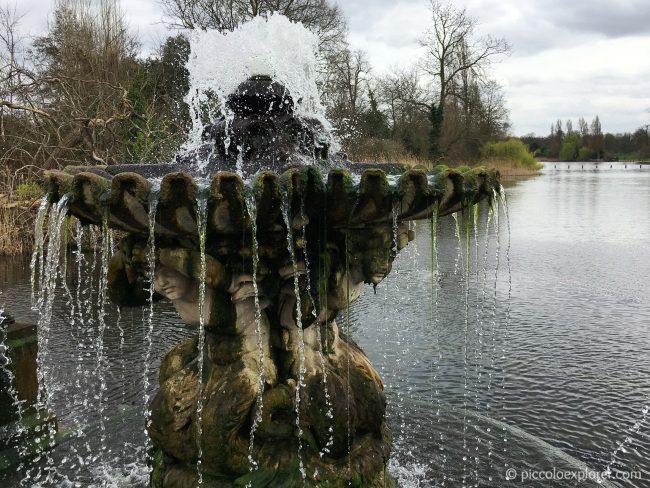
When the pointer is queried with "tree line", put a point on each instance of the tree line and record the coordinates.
(587, 142)
(82, 94)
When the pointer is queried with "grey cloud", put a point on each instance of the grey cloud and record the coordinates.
(537, 25)
(547, 24)
(608, 18)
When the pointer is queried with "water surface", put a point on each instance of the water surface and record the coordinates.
(536, 358)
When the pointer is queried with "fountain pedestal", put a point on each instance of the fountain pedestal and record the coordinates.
(287, 398)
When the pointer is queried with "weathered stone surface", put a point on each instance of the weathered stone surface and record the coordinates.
(333, 203)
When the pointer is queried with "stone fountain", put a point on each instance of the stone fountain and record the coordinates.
(262, 253)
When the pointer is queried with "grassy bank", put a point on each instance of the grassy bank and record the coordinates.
(17, 226)
(509, 168)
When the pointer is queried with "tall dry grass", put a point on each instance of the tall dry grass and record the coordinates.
(20, 196)
(371, 150)
(17, 229)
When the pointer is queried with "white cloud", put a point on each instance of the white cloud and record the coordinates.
(605, 77)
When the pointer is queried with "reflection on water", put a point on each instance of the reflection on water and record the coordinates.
(562, 384)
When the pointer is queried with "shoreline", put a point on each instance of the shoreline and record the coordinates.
(509, 168)
(594, 161)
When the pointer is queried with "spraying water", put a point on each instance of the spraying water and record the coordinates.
(220, 62)
(627, 440)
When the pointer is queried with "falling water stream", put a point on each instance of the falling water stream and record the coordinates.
(100, 369)
(319, 335)
(481, 319)
(434, 276)
(202, 221)
(301, 337)
(38, 256)
(251, 209)
(399, 408)
(506, 323)
(465, 219)
(348, 335)
(7, 375)
(50, 275)
(149, 318)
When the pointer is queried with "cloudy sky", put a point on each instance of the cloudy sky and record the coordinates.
(569, 59)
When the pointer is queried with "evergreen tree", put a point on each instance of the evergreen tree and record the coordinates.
(596, 141)
(436, 120)
(374, 123)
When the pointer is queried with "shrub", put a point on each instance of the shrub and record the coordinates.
(583, 154)
(570, 149)
(513, 151)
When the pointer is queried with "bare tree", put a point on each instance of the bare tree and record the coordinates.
(596, 140)
(494, 117)
(11, 62)
(583, 127)
(70, 105)
(454, 55)
(403, 95)
(404, 98)
(347, 83)
(320, 16)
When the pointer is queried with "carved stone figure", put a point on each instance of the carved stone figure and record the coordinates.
(332, 430)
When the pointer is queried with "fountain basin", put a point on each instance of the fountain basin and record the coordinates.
(343, 201)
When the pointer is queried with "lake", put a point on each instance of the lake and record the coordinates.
(532, 358)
